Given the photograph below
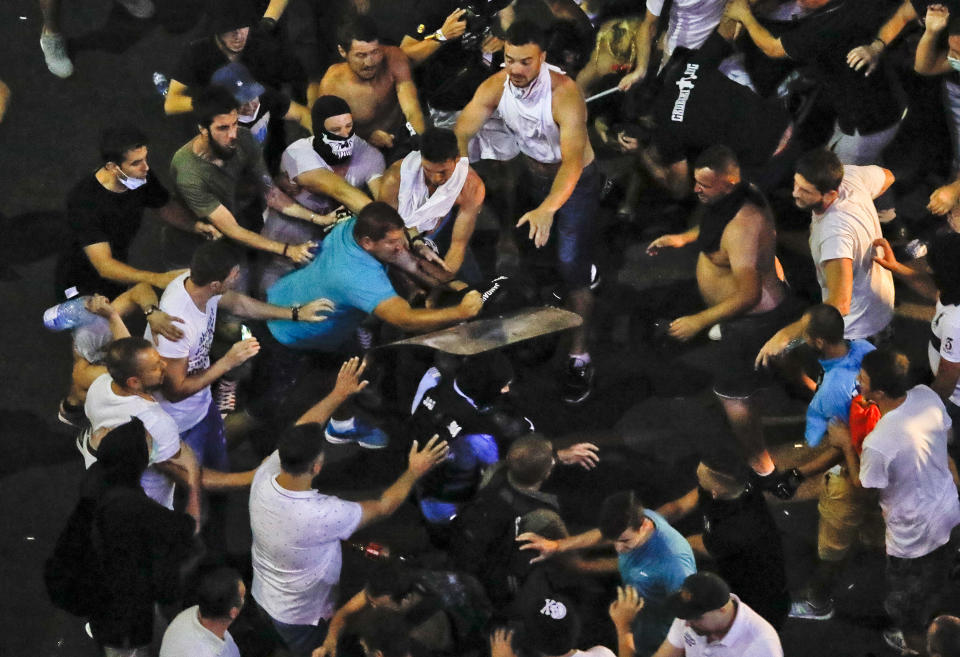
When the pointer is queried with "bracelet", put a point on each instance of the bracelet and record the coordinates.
(882, 42)
(295, 312)
(152, 308)
(285, 247)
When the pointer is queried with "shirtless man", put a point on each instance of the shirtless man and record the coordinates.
(546, 113)
(439, 196)
(738, 278)
(376, 81)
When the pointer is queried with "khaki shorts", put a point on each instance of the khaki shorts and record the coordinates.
(848, 515)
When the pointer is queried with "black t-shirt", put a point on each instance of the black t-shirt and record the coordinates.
(266, 61)
(742, 537)
(95, 215)
(398, 18)
(698, 107)
(865, 104)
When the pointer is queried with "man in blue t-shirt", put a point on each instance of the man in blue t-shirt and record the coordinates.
(653, 558)
(349, 270)
(845, 509)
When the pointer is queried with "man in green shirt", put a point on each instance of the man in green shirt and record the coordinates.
(221, 177)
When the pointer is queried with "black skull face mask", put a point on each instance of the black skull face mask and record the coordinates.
(334, 149)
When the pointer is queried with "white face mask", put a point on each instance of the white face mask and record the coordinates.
(341, 147)
(249, 118)
(130, 182)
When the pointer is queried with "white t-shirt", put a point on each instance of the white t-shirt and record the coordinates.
(691, 21)
(749, 636)
(186, 637)
(195, 344)
(296, 547)
(105, 408)
(847, 230)
(905, 456)
(945, 342)
(366, 164)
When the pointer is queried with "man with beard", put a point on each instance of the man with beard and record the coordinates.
(135, 374)
(545, 112)
(737, 277)
(221, 177)
(843, 229)
(333, 168)
(439, 196)
(377, 80)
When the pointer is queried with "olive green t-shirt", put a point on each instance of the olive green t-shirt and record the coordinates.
(204, 186)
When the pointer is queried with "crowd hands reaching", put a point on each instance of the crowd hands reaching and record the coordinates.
(326, 204)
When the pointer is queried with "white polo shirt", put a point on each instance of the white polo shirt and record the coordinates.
(186, 637)
(749, 636)
(296, 547)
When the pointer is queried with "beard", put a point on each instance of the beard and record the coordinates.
(221, 152)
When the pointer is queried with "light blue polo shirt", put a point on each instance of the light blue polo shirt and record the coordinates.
(835, 392)
(656, 569)
(342, 272)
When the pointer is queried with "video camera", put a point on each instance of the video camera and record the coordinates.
(482, 21)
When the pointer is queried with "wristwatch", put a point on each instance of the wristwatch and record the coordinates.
(438, 35)
(152, 308)
(295, 312)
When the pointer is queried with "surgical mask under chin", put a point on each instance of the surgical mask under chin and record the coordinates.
(249, 118)
(954, 62)
(130, 182)
(335, 148)
(154, 452)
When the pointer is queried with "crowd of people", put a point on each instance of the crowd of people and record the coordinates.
(342, 159)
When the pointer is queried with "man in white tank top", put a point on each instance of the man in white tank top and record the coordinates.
(546, 113)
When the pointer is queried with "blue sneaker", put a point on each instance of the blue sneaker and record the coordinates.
(365, 435)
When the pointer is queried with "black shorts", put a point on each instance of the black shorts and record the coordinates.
(741, 339)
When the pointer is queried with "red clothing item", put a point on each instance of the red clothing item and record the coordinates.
(863, 418)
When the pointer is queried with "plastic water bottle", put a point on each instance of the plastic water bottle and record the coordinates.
(68, 315)
(161, 82)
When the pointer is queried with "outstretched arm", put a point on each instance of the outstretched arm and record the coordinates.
(478, 110)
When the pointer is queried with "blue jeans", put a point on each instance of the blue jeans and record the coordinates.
(208, 440)
(573, 227)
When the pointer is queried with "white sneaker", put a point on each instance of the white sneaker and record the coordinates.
(54, 48)
(138, 8)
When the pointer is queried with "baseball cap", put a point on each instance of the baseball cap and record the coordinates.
(700, 593)
(552, 624)
(237, 80)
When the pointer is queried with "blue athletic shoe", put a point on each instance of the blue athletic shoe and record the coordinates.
(365, 435)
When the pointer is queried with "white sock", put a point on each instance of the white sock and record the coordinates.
(341, 425)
